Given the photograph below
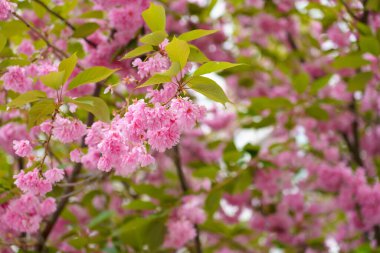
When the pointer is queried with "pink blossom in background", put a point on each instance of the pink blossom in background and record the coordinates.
(15, 79)
(6, 8)
(22, 148)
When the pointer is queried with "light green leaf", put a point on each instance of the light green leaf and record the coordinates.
(93, 14)
(369, 44)
(41, 111)
(214, 66)
(68, 66)
(156, 79)
(140, 205)
(94, 105)
(154, 38)
(3, 42)
(155, 17)
(54, 80)
(138, 51)
(91, 75)
(301, 82)
(349, 61)
(196, 55)
(359, 81)
(266, 103)
(195, 34)
(209, 88)
(27, 97)
(178, 51)
(85, 30)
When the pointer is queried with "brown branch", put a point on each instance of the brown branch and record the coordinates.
(67, 23)
(185, 188)
(44, 235)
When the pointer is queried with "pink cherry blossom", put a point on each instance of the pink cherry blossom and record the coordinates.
(66, 130)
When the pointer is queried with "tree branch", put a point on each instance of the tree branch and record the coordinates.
(185, 188)
(44, 235)
(60, 54)
(67, 23)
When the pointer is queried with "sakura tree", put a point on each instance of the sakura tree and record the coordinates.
(227, 126)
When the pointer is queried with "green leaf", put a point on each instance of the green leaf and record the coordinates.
(359, 81)
(41, 111)
(206, 172)
(369, 44)
(85, 30)
(91, 75)
(156, 79)
(68, 66)
(178, 51)
(349, 61)
(140, 205)
(94, 105)
(300, 82)
(196, 55)
(317, 112)
(27, 97)
(214, 66)
(138, 51)
(76, 48)
(320, 83)
(155, 17)
(103, 216)
(195, 34)
(373, 5)
(264, 103)
(154, 38)
(209, 88)
(93, 14)
(212, 202)
(54, 80)
(3, 42)
(143, 231)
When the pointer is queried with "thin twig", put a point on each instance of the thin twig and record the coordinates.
(185, 188)
(59, 52)
(57, 15)
(44, 235)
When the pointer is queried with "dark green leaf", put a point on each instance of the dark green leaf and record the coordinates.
(317, 112)
(359, 81)
(349, 61)
(301, 82)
